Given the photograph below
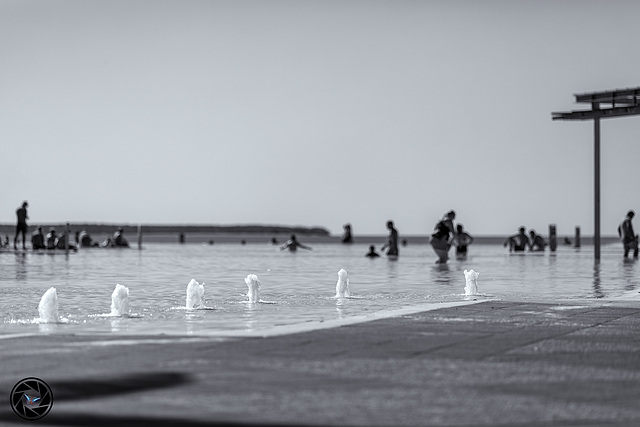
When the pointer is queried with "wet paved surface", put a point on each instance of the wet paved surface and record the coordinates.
(489, 364)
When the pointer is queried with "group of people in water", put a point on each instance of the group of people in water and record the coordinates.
(444, 236)
(520, 241)
(53, 240)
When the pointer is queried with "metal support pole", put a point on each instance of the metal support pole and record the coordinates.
(66, 239)
(596, 187)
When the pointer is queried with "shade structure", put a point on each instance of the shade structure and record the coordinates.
(606, 104)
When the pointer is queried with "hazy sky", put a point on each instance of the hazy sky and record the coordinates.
(315, 113)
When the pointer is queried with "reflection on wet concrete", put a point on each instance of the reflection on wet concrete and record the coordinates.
(597, 284)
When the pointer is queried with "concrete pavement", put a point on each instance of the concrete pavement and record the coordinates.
(495, 363)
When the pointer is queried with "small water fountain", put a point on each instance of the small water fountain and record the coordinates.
(342, 286)
(48, 307)
(253, 283)
(120, 301)
(195, 295)
(471, 286)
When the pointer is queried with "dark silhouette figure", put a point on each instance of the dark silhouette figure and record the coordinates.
(21, 226)
(292, 244)
(517, 242)
(51, 238)
(441, 239)
(462, 240)
(347, 237)
(536, 241)
(392, 241)
(85, 240)
(372, 252)
(628, 236)
(119, 239)
(62, 242)
(37, 239)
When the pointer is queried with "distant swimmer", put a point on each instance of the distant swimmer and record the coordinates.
(347, 237)
(517, 242)
(85, 240)
(292, 244)
(118, 238)
(392, 241)
(442, 237)
(462, 240)
(372, 252)
(537, 241)
(51, 238)
(21, 226)
(62, 242)
(38, 239)
(628, 236)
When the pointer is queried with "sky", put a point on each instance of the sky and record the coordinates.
(315, 113)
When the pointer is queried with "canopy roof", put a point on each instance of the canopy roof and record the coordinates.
(618, 103)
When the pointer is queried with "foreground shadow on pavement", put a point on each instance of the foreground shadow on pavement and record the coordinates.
(94, 388)
(102, 387)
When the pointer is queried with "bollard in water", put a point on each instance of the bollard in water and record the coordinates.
(576, 243)
(139, 236)
(553, 240)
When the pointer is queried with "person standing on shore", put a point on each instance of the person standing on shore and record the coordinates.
(21, 226)
(392, 241)
(628, 236)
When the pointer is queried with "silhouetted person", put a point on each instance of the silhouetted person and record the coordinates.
(51, 238)
(392, 241)
(463, 240)
(517, 242)
(537, 241)
(628, 236)
(372, 252)
(292, 244)
(118, 238)
(21, 226)
(347, 237)
(85, 240)
(62, 242)
(37, 239)
(441, 238)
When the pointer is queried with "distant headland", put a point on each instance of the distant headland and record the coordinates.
(176, 228)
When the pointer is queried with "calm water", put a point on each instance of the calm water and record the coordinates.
(298, 288)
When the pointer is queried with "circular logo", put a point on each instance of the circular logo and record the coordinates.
(31, 399)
